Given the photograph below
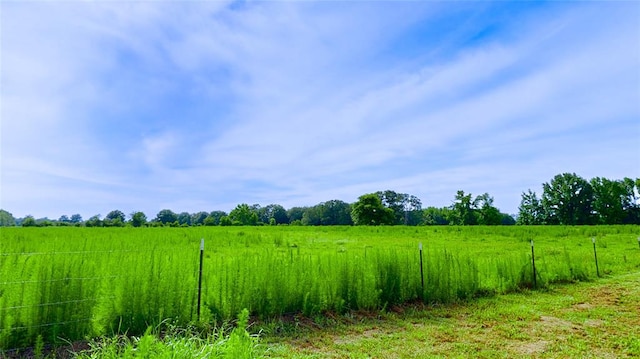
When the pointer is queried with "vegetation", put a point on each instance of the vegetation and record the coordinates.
(72, 283)
(567, 199)
(586, 320)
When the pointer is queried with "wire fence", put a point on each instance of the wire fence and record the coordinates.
(61, 295)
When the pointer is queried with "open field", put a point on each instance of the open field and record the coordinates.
(75, 283)
(598, 319)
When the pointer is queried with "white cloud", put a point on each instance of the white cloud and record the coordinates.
(203, 104)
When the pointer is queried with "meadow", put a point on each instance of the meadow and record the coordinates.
(62, 284)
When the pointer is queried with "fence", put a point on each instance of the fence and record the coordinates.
(57, 294)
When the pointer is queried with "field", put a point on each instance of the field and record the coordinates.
(59, 284)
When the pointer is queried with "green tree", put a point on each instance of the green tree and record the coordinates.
(406, 208)
(225, 221)
(6, 219)
(335, 213)
(29, 221)
(166, 216)
(296, 213)
(487, 213)
(567, 199)
(114, 218)
(632, 202)
(369, 210)
(138, 219)
(530, 211)
(76, 219)
(312, 216)
(197, 219)
(94, 221)
(609, 199)
(507, 219)
(184, 219)
(214, 218)
(275, 212)
(435, 216)
(243, 215)
(462, 210)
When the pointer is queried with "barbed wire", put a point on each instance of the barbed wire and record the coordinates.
(56, 303)
(48, 324)
(59, 280)
(71, 252)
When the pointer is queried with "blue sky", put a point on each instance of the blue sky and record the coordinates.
(200, 106)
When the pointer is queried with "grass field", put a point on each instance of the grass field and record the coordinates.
(585, 320)
(73, 283)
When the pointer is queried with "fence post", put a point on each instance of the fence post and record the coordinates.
(200, 275)
(421, 270)
(595, 254)
(533, 262)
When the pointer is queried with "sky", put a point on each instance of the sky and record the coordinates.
(200, 106)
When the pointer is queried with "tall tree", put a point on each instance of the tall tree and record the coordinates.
(435, 216)
(609, 199)
(29, 221)
(184, 218)
(312, 216)
(138, 219)
(462, 210)
(114, 218)
(335, 212)
(296, 213)
(6, 219)
(404, 206)
(166, 216)
(567, 199)
(530, 211)
(213, 219)
(94, 221)
(487, 213)
(197, 219)
(275, 212)
(632, 202)
(76, 218)
(369, 210)
(243, 215)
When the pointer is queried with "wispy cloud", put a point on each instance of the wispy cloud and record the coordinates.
(200, 106)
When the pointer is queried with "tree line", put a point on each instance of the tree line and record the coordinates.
(567, 199)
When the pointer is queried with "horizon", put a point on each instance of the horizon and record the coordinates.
(201, 106)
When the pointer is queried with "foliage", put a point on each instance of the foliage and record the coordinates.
(567, 199)
(29, 221)
(243, 215)
(178, 343)
(6, 219)
(166, 216)
(406, 208)
(369, 210)
(70, 283)
(530, 211)
(114, 218)
(197, 219)
(138, 219)
(436, 216)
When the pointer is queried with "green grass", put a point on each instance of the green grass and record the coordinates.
(176, 343)
(584, 320)
(60, 284)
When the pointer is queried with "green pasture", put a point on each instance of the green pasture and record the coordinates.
(62, 283)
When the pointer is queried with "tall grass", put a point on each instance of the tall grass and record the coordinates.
(73, 283)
